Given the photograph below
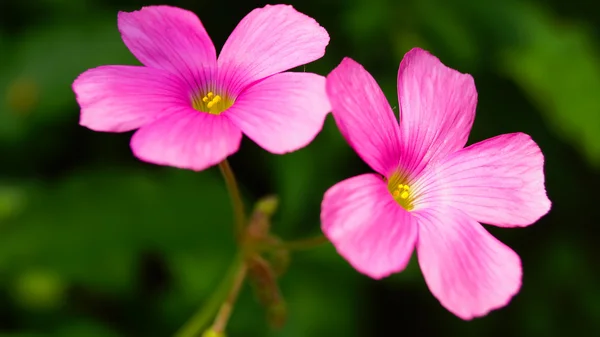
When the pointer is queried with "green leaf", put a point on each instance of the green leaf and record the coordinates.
(92, 228)
(36, 86)
(12, 201)
(557, 66)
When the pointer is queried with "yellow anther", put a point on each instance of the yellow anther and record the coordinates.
(211, 103)
(211, 99)
(403, 187)
(401, 191)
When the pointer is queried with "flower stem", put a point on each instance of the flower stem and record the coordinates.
(202, 317)
(301, 244)
(236, 198)
(227, 307)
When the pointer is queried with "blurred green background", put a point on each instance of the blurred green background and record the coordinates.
(96, 243)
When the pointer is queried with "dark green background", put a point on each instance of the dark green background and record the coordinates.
(96, 243)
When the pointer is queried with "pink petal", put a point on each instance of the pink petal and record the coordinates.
(468, 270)
(123, 98)
(283, 112)
(437, 109)
(267, 41)
(187, 139)
(172, 39)
(499, 181)
(364, 116)
(367, 227)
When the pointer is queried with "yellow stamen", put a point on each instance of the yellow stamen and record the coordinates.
(401, 192)
(211, 103)
(402, 187)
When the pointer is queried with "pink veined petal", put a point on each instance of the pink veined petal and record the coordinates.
(282, 113)
(364, 116)
(499, 181)
(123, 98)
(267, 41)
(367, 227)
(468, 270)
(437, 109)
(172, 39)
(187, 139)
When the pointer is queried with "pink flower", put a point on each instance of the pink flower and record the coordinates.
(192, 107)
(434, 192)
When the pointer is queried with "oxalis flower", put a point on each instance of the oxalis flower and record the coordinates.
(431, 193)
(192, 107)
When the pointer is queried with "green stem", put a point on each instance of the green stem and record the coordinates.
(236, 198)
(301, 244)
(202, 317)
(226, 308)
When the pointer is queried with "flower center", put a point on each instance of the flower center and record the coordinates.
(401, 193)
(211, 103)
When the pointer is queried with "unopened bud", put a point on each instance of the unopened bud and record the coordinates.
(263, 280)
(267, 205)
(212, 333)
(279, 260)
(260, 221)
(277, 314)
